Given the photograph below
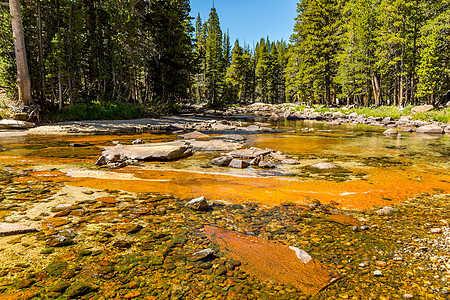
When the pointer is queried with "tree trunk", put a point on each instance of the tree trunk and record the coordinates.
(23, 77)
(376, 90)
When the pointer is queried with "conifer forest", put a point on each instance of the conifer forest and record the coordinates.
(153, 55)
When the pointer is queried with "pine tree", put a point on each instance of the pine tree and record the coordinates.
(357, 74)
(214, 52)
(312, 63)
(434, 65)
(262, 71)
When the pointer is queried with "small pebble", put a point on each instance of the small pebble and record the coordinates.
(436, 230)
(408, 296)
(377, 273)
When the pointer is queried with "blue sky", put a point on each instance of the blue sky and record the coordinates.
(250, 20)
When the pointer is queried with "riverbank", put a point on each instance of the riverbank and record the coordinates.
(225, 120)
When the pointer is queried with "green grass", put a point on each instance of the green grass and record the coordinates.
(96, 111)
(440, 115)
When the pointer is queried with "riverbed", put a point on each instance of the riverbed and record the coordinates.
(126, 234)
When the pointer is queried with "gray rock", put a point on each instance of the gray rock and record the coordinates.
(324, 166)
(222, 161)
(290, 162)
(430, 129)
(193, 136)
(15, 124)
(385, 211)
(198, 204)
(447, 129)
(266, 165)
(238, 164)
(148, 152)
(249, 153)
(231, 137)
(391, 132)
(202, 254)
(214, 145)
(138, 141)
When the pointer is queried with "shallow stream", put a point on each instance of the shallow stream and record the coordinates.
(44, 181)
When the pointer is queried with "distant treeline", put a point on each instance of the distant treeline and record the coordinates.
(152, 54)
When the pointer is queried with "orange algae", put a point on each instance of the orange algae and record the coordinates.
(382, 187)
(271, 261)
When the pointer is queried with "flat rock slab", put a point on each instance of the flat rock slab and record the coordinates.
(151, 152)
(13, 229)
(231, 137)
(272, 261)
(214, 145)
(193, 136)
(14, 124)
(344, 220)
(249, 153)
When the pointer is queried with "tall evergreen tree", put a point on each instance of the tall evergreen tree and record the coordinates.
(214, 67)
(312, 64)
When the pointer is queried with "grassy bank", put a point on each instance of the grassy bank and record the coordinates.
(95, 111)
(440, 115)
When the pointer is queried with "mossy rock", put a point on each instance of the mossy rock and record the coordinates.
(56, 268)
(79, 289)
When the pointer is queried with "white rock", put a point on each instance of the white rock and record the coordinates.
(302, 255)
(385, 211)
(436, 230)
(324, 166)
(377, 273)
(391, 132)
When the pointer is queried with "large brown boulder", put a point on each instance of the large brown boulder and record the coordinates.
(420, 109)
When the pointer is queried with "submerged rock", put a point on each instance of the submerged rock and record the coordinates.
(324, 166)
(385, 211)
(79, 289)
(13, 229)
(290, 162)
(266, 165)
(391, 132)
(238, 164)
(231, 137)
(214, 145)
(273, 261)
(198, 204)
(202, 254)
